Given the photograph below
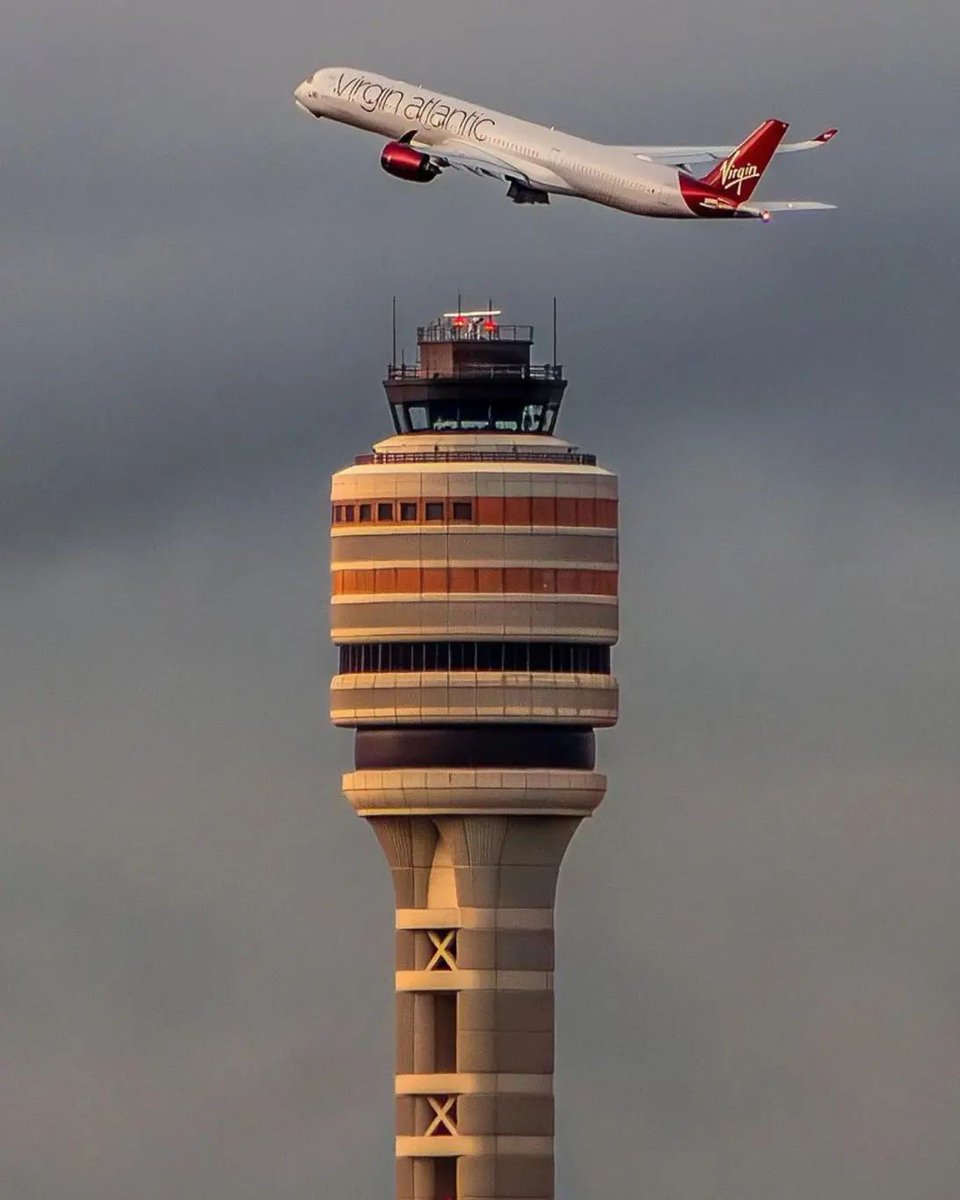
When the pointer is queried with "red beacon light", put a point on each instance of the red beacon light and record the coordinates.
(481, 323)
(461, 318)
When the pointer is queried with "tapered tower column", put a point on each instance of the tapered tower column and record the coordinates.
(474, 606)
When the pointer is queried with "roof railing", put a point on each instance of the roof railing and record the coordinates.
(517, 454)
(473, 330)
(542, 372)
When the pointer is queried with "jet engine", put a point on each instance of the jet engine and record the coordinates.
(404, 162)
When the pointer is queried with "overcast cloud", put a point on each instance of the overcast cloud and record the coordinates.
(759, 995)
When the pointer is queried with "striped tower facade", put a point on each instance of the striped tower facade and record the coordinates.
(474, 569)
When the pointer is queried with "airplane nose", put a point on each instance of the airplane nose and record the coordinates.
(301, 97)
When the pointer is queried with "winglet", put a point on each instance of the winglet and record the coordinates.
(825, 137)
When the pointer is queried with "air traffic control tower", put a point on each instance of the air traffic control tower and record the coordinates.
(474, 570)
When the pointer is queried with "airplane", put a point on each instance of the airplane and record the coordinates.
(430, 133)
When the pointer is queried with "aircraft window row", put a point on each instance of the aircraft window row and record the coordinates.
(516, 146)
(391, 511)
(559, 658)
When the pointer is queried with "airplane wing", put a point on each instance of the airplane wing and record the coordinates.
(688, 156)
(462, 156)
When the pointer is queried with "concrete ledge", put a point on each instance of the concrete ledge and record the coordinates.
(467, 697)
(469, 981)
(472, 1147)
(473, 1083)
(464, 790)
(474, 918)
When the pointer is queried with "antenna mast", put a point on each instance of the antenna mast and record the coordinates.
(393, 357)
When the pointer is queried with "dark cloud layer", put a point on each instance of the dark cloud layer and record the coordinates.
(760, 980)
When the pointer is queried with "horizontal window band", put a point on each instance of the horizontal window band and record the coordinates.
(393, 581)
(512, 747)
(569, 511)
(557, 658)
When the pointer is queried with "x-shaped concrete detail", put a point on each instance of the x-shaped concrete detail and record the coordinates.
(444, 1120)
(445, 950)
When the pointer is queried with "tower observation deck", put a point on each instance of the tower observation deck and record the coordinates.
(474, 578)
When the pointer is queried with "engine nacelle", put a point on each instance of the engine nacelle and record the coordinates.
(404, 162)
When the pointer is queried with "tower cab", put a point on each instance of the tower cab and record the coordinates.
(474, 375)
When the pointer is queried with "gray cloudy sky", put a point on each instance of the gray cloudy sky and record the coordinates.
(195, 307)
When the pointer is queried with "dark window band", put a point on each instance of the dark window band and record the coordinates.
(561, 658)
(517, 746)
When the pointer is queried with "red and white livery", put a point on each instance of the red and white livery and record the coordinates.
(429, 133)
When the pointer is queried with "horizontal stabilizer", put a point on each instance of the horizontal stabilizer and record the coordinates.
(778, 206)
(690, 156)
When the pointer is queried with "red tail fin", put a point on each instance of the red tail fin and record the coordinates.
(738, 175)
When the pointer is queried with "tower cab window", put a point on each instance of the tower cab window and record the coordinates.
(433, 510)
(462, 510)
(532, 418)
(507, 417)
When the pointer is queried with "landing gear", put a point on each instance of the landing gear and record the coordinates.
(519, 193)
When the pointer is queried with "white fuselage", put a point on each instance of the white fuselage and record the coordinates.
(552, 161)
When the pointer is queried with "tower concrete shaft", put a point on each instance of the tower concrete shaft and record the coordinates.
(474, 606)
